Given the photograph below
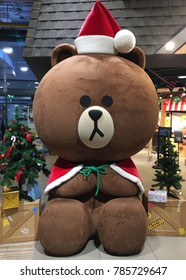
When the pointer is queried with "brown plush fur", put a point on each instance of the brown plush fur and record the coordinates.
(73, 214)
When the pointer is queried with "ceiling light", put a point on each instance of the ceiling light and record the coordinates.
(181, 77)
(24, 68)
(8, 50)
(170, 46)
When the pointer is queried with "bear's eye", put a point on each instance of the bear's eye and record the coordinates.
(107, 101)
(85, 101)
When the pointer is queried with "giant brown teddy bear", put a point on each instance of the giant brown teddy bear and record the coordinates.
(95, 108)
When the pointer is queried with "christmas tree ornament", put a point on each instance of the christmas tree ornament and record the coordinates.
(28, 136)
(3, 166)
(9, 152)
(18, 175)
(13, 139)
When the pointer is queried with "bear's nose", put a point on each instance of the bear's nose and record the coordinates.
(95, 114)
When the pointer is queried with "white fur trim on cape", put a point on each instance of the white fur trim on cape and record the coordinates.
(95, 44)
(128, 176)
(64, 178)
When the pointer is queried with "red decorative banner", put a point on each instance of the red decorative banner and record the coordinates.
(170, 105)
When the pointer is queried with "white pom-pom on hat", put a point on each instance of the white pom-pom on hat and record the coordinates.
(124, 41)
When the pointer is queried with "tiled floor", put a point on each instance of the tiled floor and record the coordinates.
(17, 251)
(156, 247)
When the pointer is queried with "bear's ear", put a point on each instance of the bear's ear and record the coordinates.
(62, 52)
(136, 55)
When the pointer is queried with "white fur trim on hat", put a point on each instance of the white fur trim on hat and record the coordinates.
(95, 44)
(124, 41)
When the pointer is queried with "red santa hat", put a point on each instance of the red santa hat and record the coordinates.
(100, 33)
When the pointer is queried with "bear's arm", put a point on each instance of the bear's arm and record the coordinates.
(114, 184)
(76, 186)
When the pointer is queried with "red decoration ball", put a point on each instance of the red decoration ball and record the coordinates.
(12, 121)
(2, 156)
(10, 129)
(4, 139)
(3, 166)
(21, 127)
(18, 142)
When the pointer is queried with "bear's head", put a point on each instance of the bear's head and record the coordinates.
(95, 108)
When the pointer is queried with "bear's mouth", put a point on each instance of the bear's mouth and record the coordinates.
(95, 127)
(95, 130)
(95, 116)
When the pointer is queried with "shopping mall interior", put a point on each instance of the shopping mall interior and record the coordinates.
(29, 30)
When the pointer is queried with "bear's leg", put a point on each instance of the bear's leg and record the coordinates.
(64, 227)
(122, 226)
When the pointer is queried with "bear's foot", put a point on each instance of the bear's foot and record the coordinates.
(64, 227)
(122, 226)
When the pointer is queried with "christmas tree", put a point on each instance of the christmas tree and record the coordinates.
(168, 171)
(20, 160)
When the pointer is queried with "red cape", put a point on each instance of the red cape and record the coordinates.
(63, 171)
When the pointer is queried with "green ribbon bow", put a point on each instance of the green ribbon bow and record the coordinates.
(102, 169)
